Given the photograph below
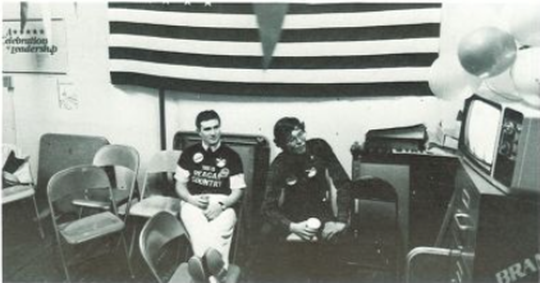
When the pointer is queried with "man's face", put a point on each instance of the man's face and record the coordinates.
(210, 132)
(296, 143)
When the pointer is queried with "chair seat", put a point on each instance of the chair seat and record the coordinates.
(16, 193)
(150, 206)
(91, 227)
(99, 199)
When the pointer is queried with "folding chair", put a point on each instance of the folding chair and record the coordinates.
(157, 198)
(123, 160)
(24, 187)
(156, 235)
(157, 188)
(70, 226)
(154, 241)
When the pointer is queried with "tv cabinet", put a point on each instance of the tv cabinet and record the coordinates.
(487, 236)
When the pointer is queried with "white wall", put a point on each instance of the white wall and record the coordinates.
(340, 121)
(130, 115)
(122, 115)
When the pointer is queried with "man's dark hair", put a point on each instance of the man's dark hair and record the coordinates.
(205, 116)
(283, 129)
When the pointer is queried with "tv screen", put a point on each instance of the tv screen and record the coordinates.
(481, 132)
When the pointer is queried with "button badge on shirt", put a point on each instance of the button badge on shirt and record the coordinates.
(221, 162)
(198, 157)
(311, 172)
(224, 173)
(291, 180)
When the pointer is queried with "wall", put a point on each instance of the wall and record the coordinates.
(122, 115)
(130, 115)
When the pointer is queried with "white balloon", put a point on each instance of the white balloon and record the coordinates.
(449, 81)
(526, 75)
(524, 22)
(504, 86)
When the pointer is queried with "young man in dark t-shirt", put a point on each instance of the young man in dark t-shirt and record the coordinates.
(210, 180)
(307, 238)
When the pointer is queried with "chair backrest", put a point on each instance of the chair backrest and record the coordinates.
(117, 155)
(162, 162)
(74, 183)
(158, 231)
(125, 161)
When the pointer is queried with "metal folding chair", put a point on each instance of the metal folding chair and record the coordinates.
(154, 240)
(70, 226)
(158, 186)
(158, 232)
(122, 162)
(157, 189)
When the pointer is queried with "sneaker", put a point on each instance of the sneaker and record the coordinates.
(196, 270)
(215, 264)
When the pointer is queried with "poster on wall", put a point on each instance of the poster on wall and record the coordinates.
(35, 49)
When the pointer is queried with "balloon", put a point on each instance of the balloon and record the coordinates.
(504, 86)
(487, 52)
(526, 75)
(524, 22)
(448, 80)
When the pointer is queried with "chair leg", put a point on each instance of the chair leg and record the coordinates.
(62, 258)
(38, 219)
(133, 238)
(128, 258)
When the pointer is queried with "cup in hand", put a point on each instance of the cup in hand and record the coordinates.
(313, 223)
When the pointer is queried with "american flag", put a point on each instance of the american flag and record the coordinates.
(325, 49)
